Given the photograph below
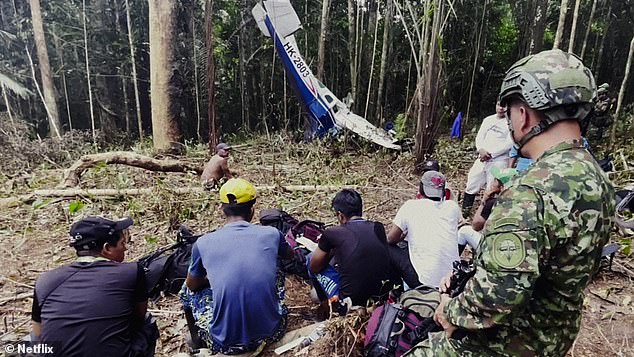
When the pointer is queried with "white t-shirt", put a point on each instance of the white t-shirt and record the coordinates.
(431, 230)
(494, 137)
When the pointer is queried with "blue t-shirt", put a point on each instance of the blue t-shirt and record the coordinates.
(524, 163)
(240, 262)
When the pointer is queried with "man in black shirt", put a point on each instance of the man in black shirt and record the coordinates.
(362, 267)
(97, 305)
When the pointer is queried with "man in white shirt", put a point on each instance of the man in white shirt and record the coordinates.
(493, 143)
(430, 226)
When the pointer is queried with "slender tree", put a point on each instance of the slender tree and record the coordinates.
(573, 31)
(369, 93)
(211, 75)
(134, 73)
(195, 62)
(48, 87)
(352, 36)
(60, 56)
(475, 62)
(619, 102)
(387, 22)
(588, 28)
(321, 54)
(563, 10)
(539, 26)
(6, 101)
(165, 130)
(90, 102)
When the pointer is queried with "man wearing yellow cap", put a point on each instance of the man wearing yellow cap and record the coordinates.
(234, 288)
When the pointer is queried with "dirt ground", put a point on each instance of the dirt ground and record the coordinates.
(33, 236)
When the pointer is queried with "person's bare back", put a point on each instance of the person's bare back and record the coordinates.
(217, 167)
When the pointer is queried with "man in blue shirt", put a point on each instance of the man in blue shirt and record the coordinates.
(234, 288)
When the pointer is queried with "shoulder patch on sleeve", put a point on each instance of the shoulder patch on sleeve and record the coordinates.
(508, 250)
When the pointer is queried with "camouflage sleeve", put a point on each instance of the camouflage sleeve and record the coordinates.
(507, 263)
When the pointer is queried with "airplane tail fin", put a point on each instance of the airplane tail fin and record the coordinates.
(280, 13)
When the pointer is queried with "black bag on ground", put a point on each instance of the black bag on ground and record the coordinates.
(292, 228)
(166, 268)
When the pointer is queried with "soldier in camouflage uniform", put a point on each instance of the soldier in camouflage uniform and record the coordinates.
(543, 240)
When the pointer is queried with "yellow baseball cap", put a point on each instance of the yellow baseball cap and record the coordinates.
(237, 190)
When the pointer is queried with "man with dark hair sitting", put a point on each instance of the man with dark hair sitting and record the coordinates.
(430, 226)
(96, 305)
(362, 265)
(234, 288)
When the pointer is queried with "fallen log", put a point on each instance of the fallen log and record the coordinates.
(73, 173)
(71, 193)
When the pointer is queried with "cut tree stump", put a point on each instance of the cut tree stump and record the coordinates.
(73, 173)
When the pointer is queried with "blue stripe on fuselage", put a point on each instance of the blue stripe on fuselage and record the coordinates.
(321, 117)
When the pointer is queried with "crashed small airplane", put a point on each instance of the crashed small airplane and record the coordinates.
(327, 114)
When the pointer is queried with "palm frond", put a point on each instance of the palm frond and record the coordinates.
(14, 86)
(7, 37)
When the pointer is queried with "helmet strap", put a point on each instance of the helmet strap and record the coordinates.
(551, 117)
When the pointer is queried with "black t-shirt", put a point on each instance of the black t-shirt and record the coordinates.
(87, 308)
(363, 262)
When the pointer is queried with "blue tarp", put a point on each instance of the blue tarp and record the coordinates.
(456, 127)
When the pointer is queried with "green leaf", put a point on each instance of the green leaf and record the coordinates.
(7, 82)
(40, 203)
(151, 239)
(626, 246)
(75, 206)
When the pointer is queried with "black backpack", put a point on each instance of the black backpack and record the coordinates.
(166, 268)
(292, 228)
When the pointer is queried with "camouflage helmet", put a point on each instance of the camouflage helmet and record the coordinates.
(553, 82)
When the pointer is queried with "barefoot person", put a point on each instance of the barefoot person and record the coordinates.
(217, 168)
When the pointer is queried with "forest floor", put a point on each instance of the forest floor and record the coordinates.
(33, 236)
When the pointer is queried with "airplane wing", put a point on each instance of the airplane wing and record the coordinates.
(277, 19)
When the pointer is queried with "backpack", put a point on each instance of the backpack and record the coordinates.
(394, 328)
(293, 229)
(166, 268)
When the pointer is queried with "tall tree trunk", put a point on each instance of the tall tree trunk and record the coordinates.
(195, 61)
(563, 10)
(6, 101)
(588, 28)
(211, 76)
(137, 100)
(92, 109)
(606, 31)
(387, 22)
(573, 30)
(48, 87)
(475, 64)
(430, 78)
(60, 55)
(323, 32)
(359, 55)
(369, 93)
(352, 50)
(242, 53)
(619, 102)
(106, 81)
(165, 131)
(538, 27)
